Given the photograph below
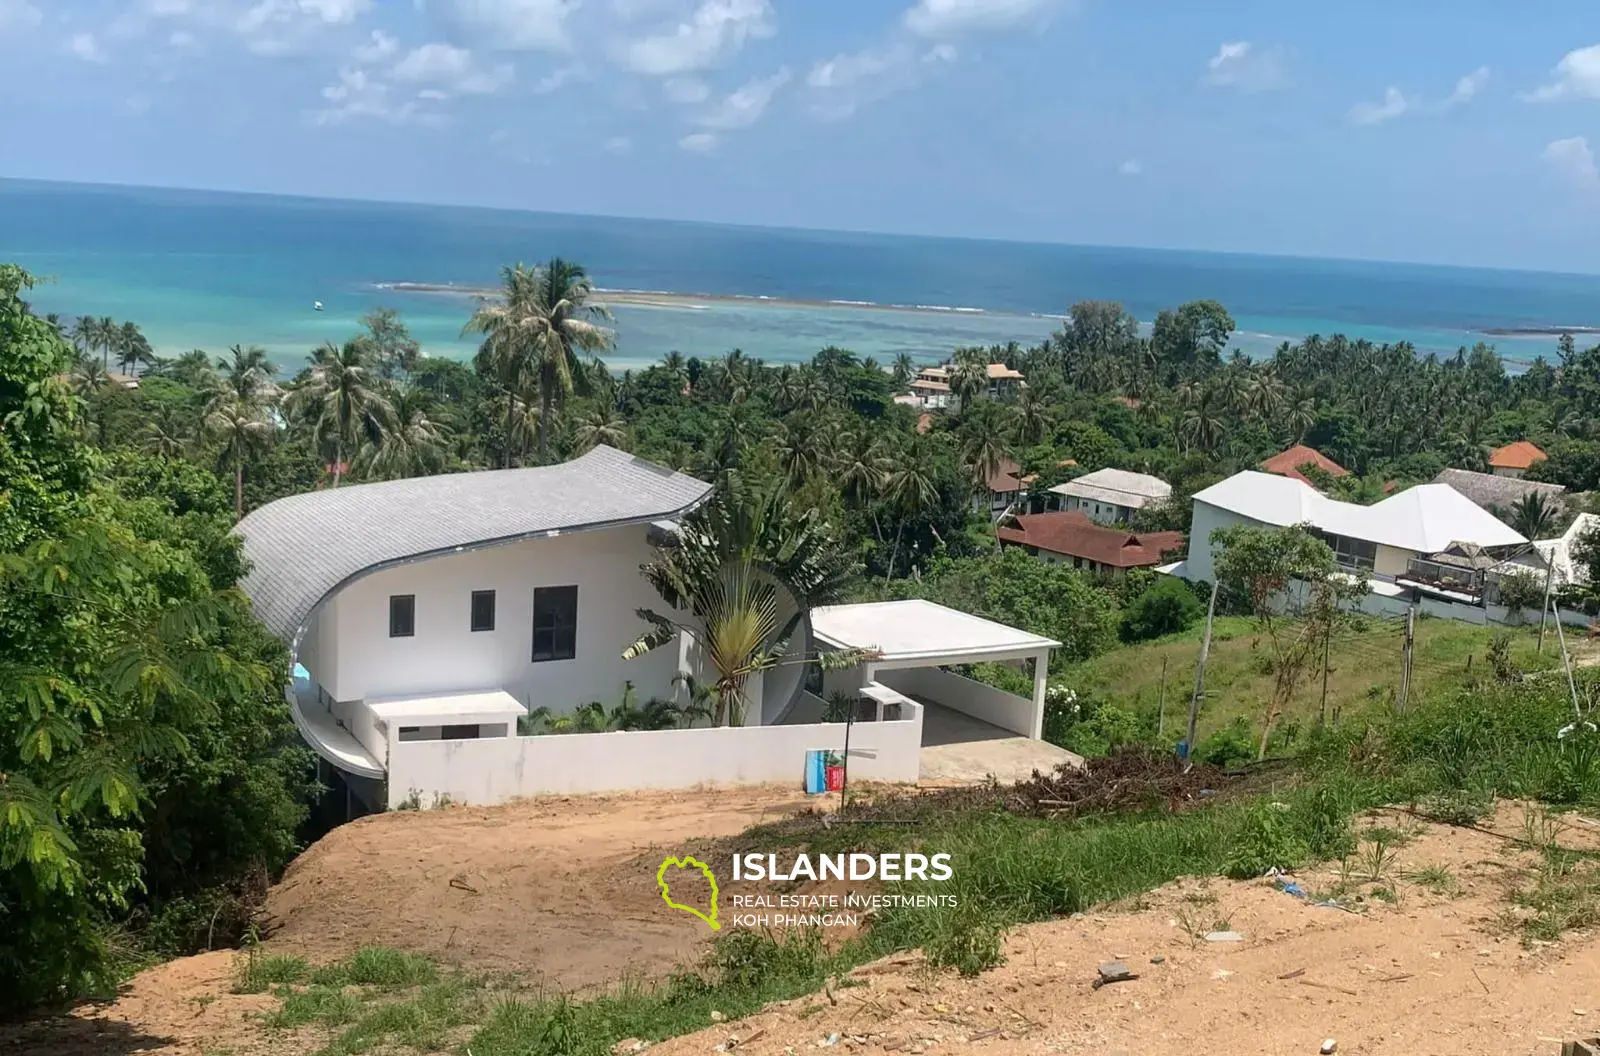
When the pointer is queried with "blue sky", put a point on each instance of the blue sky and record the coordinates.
(1461, 132)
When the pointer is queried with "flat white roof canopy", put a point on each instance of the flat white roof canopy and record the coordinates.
(908, 632)
(489, 706)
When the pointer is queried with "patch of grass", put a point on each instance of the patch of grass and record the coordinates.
(328, 1005)
(1456, 806)
(377, 966)
(1564, 894)
(1435, 878)
(255, 972)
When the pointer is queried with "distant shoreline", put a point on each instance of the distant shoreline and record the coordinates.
(702, 301)
(1540, 331)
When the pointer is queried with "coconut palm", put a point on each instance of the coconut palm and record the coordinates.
(244, 375)
(602, 425)
(968, 380)
(676, 368)
(911, 488)
(539, 328)
(1031, 419)
(1534, 516)
(985, 455)
(904, 369)
(133, 349)
(85, 334)
(243, 429)
(741, 580)
(411, 443)
(341, 400)
(168, 432)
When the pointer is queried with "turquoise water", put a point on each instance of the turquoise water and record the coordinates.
(206, 270)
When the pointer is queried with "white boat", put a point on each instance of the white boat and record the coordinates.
(316, 306)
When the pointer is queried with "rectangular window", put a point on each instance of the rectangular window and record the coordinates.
(402, 615)
(483, 610)
(555, 623)
(468, 732)
(1352, 553)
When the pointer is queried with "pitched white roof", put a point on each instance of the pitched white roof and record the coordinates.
(1424, 519)
(915, 629)
(1559, 551)
(1117, 486)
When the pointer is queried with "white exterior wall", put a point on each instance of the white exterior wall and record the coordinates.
(962, 694)
(1098, 511)
(494, 771)
(1391, 560)
(446, 656)
(1207, 519)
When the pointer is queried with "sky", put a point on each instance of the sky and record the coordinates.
(1451, 133)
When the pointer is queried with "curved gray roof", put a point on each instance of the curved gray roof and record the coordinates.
(304, 547)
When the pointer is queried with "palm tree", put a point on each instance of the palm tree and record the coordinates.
(986, 455)
(905, 368)
(167, 433)
(544, 321)
(1534, 516)
(863, 471)
(1204, 423)
(742, 579)
(411, 444)
(911, 488)
(968, 380)
(1030, 419)
(193, 369)
(602, 425)
(341, 401)
(84, 333)
(676, 368)
(132, 348)
(803, 449)
(245, 375)
(243, 429)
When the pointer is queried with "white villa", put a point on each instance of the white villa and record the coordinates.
(1429, 545)
(1111, 496)
(426, 616)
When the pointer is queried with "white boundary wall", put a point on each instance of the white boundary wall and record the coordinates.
(959, 693)
(500, 769)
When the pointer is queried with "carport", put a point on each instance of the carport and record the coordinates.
(970, 730)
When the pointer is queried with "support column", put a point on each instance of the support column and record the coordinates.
(1041, 677)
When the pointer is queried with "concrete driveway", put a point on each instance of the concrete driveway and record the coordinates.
(959, 749)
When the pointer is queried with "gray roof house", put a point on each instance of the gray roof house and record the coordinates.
(448, 606)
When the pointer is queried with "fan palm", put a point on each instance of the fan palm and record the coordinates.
(545, 320)
(741, 580)
(1534, 516)
(341, 401)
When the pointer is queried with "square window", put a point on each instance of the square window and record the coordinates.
(402, 615)
(483, 610)
(555, 623)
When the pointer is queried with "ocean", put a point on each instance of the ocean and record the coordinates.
(199, 269)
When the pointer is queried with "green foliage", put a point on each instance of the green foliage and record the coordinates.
(1232, 745)
(1168, 606)
(1267, 840)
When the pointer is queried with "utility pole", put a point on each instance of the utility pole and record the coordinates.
(1161, 702)
(1549, 581)
(1200, 679)
(1327, 640)
(1566, 663)
(1405, 660)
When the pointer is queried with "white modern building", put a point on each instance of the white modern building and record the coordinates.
(1566, 569)
(1428, 543)
(425, 617)
(1111, 496)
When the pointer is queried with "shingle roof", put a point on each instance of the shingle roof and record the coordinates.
(1288, 463)
(1424, 519)
(1006, 478)
(1519, 455)
(1488, 490)
(304, 547)
(1117, 486)
(1072, 533)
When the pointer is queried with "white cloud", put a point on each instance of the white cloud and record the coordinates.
(377, 48)
(555, 80)
(506, 25)
(335, 11)
(451, 68)
(744, 107)
(1393, 105)
(181, 38)
(699, 142)
(937, 17)
(1131, 167)
(1576, 76)
(1574, 160)
(842, 71)
(358, 94)
(1240, 64)
(18, 14)
(841, 84)
(618, 145)
(716, 28)
(1469, 87)
(85, 47)
(269, 12)
(686, 90)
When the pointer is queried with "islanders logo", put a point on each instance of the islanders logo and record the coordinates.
(664, 884)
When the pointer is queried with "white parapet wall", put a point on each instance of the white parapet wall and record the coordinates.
(495, 770)
(959, 693)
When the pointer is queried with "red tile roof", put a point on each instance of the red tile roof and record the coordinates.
(1288, 463)
(1007, 479)
(1073, 534)
(1520, 455)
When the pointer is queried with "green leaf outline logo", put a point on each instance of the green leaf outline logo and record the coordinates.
(687, 862)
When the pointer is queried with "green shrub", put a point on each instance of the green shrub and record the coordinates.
(1233, 745)
(1269, 840)
(967, 939)
(1166, 607)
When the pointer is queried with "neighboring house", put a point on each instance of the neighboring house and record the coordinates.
(1567, 571)
(1111, 496)
(1070, 537)
(1516, 459)
(1004, 381)
(1495, 493)
(445, 607)
(932, 388)
(1290, 463)
(1429, 541)
(1004, 489)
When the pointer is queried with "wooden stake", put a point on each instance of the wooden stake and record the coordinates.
(1200, 679)
(1161, 701)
